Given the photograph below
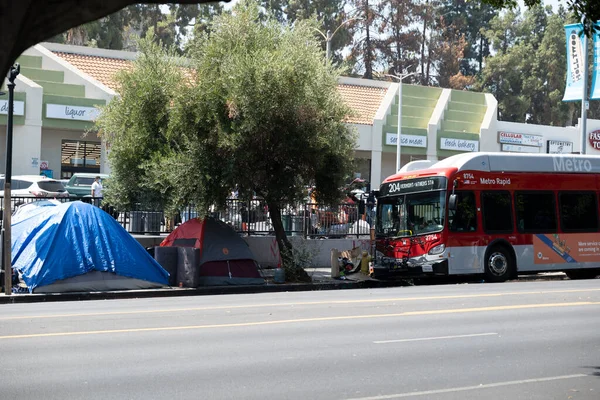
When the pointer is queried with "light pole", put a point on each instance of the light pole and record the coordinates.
(399, 138)
(330, 36)
(6, 214)
(584, 102)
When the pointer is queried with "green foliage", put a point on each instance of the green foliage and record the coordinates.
(261, 111)
(583, 10)
(528, 70)
(268, 92)
(330, 14)
(136, 126)
(119, 30)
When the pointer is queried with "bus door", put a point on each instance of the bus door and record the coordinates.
(465, 245)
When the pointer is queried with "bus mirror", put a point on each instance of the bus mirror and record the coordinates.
(452, 202)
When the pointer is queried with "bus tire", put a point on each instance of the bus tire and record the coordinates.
(582, 273)
(499, 264)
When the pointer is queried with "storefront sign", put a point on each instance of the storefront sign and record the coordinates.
(459, 144)
(559, 147)
(18, 107)
(78, 113)
(35, 162)
(513, 148)
(594, 138)
(524, 139)
(407, 140)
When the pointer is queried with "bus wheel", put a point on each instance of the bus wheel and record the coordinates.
(498, 264)
(583, 273)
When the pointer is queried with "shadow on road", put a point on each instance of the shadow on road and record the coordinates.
(447, 280)
(596, 371)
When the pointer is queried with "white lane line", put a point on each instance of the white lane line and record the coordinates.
(435, 338)
(466, 388)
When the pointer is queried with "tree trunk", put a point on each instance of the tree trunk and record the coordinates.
(480, 55)
(367, 56)
(423, 43)
(293, 272)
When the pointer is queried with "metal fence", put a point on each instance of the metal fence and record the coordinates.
(247, 217)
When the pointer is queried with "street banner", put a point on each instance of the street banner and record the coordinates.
(574, 88)
(595, 92)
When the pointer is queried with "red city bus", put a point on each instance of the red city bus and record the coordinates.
(492, 214)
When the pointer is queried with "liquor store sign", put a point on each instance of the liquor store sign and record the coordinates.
(78, 113)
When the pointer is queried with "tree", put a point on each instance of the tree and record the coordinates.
(261, 111)
(449, 52)
(504, 73)
(546, 84)
(400, 43)
(331, 16)
(587, 11)
(136, 124)
(363, 54)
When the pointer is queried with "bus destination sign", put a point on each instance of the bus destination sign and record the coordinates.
(413, 185)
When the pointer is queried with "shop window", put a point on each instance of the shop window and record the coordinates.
(79, 156)
(578, 211)
(536, 212)
(497, 212)
(464, 218)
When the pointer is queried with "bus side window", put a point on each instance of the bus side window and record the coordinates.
(578, 211)
(497, 211)
(464, 218)
(536, 211)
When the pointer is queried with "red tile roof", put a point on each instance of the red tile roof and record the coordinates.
(103, 69)
(364, 100)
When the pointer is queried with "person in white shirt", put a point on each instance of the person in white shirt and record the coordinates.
(97, 190)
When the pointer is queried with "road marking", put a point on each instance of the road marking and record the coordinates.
(467, 388)
(307, 303)
(435, 338)
(301, 320)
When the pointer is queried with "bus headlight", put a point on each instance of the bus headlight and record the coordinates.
(439, 249)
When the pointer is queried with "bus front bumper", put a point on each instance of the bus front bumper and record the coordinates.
(439, 268)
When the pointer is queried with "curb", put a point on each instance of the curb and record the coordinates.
(204, 291)
(220, 290)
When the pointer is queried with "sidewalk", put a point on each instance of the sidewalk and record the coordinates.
(321, 277)
(321, 281)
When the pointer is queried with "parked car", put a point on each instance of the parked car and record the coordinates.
(34, 186)
(80, 184)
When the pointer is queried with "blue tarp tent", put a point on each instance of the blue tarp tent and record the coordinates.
(78, 247)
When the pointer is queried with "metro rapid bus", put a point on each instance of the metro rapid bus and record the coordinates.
(492, 214)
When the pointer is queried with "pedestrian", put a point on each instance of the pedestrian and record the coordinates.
(371, 200)
(97, 191)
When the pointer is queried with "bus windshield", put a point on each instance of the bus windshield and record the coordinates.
(410, 214)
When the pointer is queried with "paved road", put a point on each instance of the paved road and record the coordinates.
(521, 340)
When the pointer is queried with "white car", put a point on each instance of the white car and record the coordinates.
(37, 186)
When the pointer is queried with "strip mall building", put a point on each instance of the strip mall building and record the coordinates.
(60, 86)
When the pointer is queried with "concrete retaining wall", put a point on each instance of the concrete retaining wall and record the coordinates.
(266, 252)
